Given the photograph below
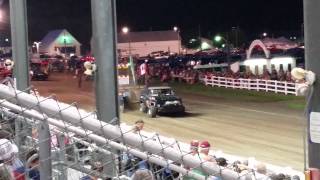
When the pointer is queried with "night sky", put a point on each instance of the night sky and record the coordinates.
(207, 17)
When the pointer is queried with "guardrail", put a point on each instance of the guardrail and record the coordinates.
(251, 84)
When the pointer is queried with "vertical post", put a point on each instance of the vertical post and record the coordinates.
(19, 34)
(312, 56)
(105, 51)
(62, 157)
(45, 151)
(104, 48)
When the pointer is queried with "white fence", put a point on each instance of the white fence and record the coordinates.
(251, 84)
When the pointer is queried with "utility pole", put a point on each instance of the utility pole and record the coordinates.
(312, 57)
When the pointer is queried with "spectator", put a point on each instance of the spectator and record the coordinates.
(8, 157)
(261, 173)
(204, 152)
(97, 168)
(33, 160)
(222, 162)
(274, 75)
(143, 174)
(194, 147)
(138, 126)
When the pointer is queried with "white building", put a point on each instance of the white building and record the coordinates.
(143, 43)
(59, 42)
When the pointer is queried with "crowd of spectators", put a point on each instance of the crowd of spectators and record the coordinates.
(187, 73)
(275, 75)
(12, 168)
(137, 168)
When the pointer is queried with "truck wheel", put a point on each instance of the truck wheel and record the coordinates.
(152, 112)
(143, 108)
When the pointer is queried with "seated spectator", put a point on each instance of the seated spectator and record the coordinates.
(143, 174)
(138, 126)
(204, 152)
(33, 159)
(8, 152)
(194, 147)
(97, 167)
(222, 162)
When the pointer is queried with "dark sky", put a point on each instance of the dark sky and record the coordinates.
(213, 16)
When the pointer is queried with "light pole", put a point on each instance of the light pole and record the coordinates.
(125, 30)
(177, 30)
(219, 38)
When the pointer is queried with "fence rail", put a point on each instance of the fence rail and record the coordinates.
(251, 84)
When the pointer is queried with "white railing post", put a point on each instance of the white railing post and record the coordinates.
(267, 85)
(275, 86)
(249, 84)
(258, 84)
(233, 84)
(285, 87)
(219, 83)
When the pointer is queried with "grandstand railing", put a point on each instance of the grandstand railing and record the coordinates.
(251, 84)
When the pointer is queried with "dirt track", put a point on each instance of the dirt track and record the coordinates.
(268, 131)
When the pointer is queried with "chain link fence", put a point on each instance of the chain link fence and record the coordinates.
(42, 138)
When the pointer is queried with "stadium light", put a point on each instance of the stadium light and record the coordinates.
(175, 28)
(125, 30)
(218, 38)
(265, 34)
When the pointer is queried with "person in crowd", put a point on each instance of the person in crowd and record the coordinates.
(194, 147)
(97, 168)
(138, 126)
(204, 152)
(282, 75)
(33, 160)
(274, 75)
(222, 162)
(8, 156)
(261, 173)
(143, 174)
(80, 72)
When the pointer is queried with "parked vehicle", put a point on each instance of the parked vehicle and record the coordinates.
(154, 100)
(39, 72)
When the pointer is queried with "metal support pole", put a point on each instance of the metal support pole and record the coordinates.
(19, 35)
(62, 157)
(104, 48)
(105, 52)
(312, 56)
(45, 151)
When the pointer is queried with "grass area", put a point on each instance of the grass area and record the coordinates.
(293, 102)
(296, 105)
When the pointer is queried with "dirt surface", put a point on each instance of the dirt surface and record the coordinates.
(270, 132)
